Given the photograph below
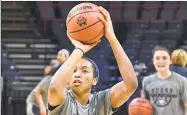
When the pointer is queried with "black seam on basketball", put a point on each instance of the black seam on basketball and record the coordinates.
(80, 13)
(140, 106)
(97, 35)
(85, 28)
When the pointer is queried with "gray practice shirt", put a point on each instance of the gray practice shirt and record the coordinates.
(99, 104)
(167, 96)
(44, 84)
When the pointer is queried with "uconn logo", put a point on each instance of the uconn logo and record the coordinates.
(162, 96)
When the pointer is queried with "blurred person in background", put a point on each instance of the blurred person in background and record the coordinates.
(38, 96)
(166, 90)
(62, 56)
(179, 62)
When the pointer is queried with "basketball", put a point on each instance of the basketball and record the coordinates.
(83, 23)
(140, 106)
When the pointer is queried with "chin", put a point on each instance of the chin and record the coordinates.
(162, 70)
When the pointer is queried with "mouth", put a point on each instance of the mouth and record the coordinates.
(77, 82)
(161, 66)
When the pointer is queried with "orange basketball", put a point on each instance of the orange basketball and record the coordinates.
(83, 23)
(140, 106)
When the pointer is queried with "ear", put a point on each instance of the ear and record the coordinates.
(94, 82)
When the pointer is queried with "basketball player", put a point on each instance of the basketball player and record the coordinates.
(38, 97)
(166, 90)
(83, 74)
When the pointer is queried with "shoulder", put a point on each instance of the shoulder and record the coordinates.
(67, 103)
(101, 95)
(102, 92)
(179, 77)
(149, 79)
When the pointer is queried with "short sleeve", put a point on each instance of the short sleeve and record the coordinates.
(62, 108)
(106, 103)
(184, 91)
(144, 91)
(44, 83)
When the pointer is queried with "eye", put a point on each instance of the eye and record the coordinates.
(75, 70)
(164, 58)
(157, 58)
(85, 71)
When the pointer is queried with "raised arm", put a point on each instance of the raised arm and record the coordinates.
(122, 91)
(57, 88)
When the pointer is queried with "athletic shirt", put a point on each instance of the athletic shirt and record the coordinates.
(167, 96)
(44, 84)
(99, 104)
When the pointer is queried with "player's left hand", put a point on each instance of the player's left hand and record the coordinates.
(43, 111)
(84, 47)
(109, 31)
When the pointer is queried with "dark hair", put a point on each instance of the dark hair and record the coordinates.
(160, 48)
(96, 70)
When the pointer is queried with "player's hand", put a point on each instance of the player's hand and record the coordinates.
(109, 31)
(84, 47)
(43, 111)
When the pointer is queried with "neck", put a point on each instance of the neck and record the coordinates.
(164, 75)
(83, 98)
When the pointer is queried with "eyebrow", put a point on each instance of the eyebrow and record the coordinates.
(84, 67)
(160, 56)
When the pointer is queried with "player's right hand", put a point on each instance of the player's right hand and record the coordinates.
(84, 47)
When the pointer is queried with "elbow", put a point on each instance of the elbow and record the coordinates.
(37, 92)
(52, 89)
(133, 85)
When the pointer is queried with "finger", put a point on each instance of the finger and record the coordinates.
(102, 19)
(104, 12)
(67, 33)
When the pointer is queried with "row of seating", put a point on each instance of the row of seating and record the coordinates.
(8, 69)
(122, 10)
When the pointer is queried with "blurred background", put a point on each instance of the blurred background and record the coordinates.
(33, 32)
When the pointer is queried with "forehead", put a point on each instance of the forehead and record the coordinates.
(161, 53)
(84, 63)
(61, 53)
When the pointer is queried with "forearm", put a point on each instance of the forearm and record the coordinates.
(64, 73)
(39, 100)
(125, 67)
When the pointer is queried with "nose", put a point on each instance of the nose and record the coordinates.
(77, 74)
(161, 61)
